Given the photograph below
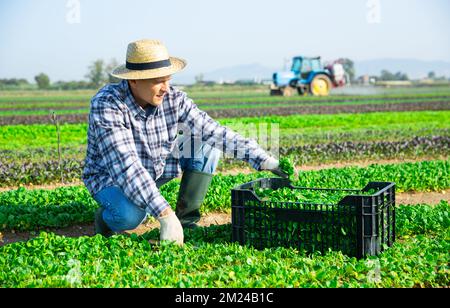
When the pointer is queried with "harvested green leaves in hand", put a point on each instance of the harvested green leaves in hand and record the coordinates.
(287, 166)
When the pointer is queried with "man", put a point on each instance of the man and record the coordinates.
(135, 145)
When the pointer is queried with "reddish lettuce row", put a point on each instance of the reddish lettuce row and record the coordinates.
(291, 141)
(251, 112)
(83, 107)
(431, 145)
(216, 101)
(221, 98)
(27, 171)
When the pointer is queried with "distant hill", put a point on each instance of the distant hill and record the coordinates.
(239, 72)
(246, 71)
(415, 69)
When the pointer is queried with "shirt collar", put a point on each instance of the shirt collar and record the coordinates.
(134, 107)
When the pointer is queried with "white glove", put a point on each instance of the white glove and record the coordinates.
(270, 164)
(171, 229)
(273, 165)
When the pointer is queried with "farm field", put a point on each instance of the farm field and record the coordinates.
(29, 152)
(73, 107)
(402, 136)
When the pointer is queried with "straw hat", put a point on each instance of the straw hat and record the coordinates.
(148, 59)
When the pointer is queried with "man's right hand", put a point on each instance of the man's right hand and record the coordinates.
(171, 229)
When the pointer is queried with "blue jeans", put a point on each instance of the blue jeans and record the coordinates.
(120, 214)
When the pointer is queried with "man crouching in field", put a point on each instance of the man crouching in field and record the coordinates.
(143, 133)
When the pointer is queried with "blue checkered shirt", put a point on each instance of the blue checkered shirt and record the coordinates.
(130, 148)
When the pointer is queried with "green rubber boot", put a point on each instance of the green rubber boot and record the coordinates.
(193, 188)
(100, 225)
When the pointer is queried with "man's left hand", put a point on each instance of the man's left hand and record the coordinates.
(273, 165)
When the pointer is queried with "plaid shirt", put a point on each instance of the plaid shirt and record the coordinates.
(132, 149)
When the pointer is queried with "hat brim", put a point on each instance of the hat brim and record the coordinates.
(122, 72)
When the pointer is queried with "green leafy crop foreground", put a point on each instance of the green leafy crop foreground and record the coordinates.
(287, 166)
(418, 176)
(209, 259)
(32, 209)
(422, 219)
(418, 219)
(309, 196)
(345, 122)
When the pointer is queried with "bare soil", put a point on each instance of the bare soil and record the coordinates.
(431, 198)
(319, 166)
(44, 186)
(8, 237)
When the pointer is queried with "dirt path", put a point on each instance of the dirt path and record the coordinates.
(44, 186)
(87, 229)
(360, 163)
(9, 237)
(431, 198)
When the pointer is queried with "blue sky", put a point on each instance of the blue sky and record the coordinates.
(36, 37)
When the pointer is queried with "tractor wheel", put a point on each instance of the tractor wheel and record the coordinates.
(320, 85)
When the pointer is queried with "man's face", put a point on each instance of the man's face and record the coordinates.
(150, 91)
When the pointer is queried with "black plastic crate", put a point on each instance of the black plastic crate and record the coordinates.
(358, 225)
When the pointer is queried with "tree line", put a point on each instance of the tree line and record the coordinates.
(97, 75)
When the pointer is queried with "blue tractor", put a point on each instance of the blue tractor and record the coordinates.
(308, 76)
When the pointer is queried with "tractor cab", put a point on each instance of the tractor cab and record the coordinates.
(303, 66)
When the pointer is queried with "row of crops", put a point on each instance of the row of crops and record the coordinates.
(74, 108)
(27, 107)
(29, 153)
(24, 209)
(27, 210)
(243, 94)
(419, 258)
(209, 259)
(26, 169)
(335, 129)
(13, 117)
(312, 127)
